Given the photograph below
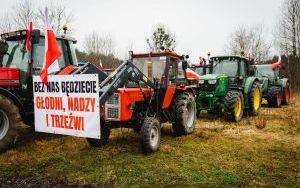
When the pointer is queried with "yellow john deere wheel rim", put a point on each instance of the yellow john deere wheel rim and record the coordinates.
(256, 98)
(238, 107)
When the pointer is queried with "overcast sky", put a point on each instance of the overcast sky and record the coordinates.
(199, 25)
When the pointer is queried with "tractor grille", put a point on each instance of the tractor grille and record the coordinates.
(112, 107)
(114, 99)
(207, 87)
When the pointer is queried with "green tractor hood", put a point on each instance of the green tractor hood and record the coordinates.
(213, 76)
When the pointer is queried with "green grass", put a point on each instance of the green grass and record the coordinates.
(217, 154)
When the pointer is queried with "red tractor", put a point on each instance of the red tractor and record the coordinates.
(159, 93)
(142, 93)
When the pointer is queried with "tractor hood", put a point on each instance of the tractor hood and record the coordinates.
(213, 76)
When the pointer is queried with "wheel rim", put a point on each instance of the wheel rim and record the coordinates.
(287, 94)
(256, 99)
(154, 136)
(279, 98)
(238, 107)
(189, 114)
(4, 124)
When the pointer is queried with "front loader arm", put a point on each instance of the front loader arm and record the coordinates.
(123, 74)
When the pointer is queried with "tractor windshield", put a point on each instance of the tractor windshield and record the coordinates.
(198, 70)
(226, 66)
(153, 67)
(16, 56)
(39, 53)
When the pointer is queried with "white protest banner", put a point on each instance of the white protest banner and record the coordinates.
(68, 105)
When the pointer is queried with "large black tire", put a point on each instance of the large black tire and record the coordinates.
(274, 96)
(286, 94)
(10, 121)
(105, 133)
(184, 110)
(150, 135)
(231, 105)
(254, 106)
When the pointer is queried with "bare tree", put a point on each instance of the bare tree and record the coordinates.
(250, 39)
(288, 28)
(95, 43)
(58, 17)
(161, 37)
(5, 23)
(24, 12)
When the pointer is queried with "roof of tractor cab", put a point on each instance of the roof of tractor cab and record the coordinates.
(158, 54)
(21, 34)
(230, 56)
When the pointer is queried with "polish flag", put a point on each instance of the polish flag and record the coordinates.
(249, 56)
(52, 52)
(100, 66)
(28, 37)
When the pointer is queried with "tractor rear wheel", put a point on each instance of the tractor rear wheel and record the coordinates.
(105, 133)
(234, 106)
(255, 99)
(286, 94)
(184, 110)
(274, 97)
(10, 120)
(150, 135)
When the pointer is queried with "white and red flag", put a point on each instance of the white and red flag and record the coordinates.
(52, 52)
(249, 56)
(28, 37)
(100, 67)
(277, 64)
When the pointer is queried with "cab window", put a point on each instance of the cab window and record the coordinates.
(16, 56)
(39, 53)
(243, 69)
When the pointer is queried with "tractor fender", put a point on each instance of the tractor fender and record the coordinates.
(186, 88)
(248, 84)
(15, 99)
(172, 92)
(283, 82)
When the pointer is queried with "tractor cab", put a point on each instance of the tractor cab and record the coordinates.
(165, 68)
(235, 67)
(18, 57)
(17, 65)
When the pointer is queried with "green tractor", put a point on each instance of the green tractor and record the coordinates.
(275, 89)
(228, 87)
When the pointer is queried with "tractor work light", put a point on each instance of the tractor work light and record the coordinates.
(212, 81)
(201, 81)
(14, 34)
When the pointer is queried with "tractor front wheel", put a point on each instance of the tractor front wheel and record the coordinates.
(10, 121)
(184, 110)
(286, 94)
(105, 133)
(234, 106)
(274, 97)
(255, 99)
(150, 135)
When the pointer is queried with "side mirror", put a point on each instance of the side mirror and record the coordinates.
(3, 48)
(184, 64)
(35, 36)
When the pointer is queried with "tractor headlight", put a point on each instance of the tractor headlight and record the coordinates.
(201, 81)
(212, 82)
